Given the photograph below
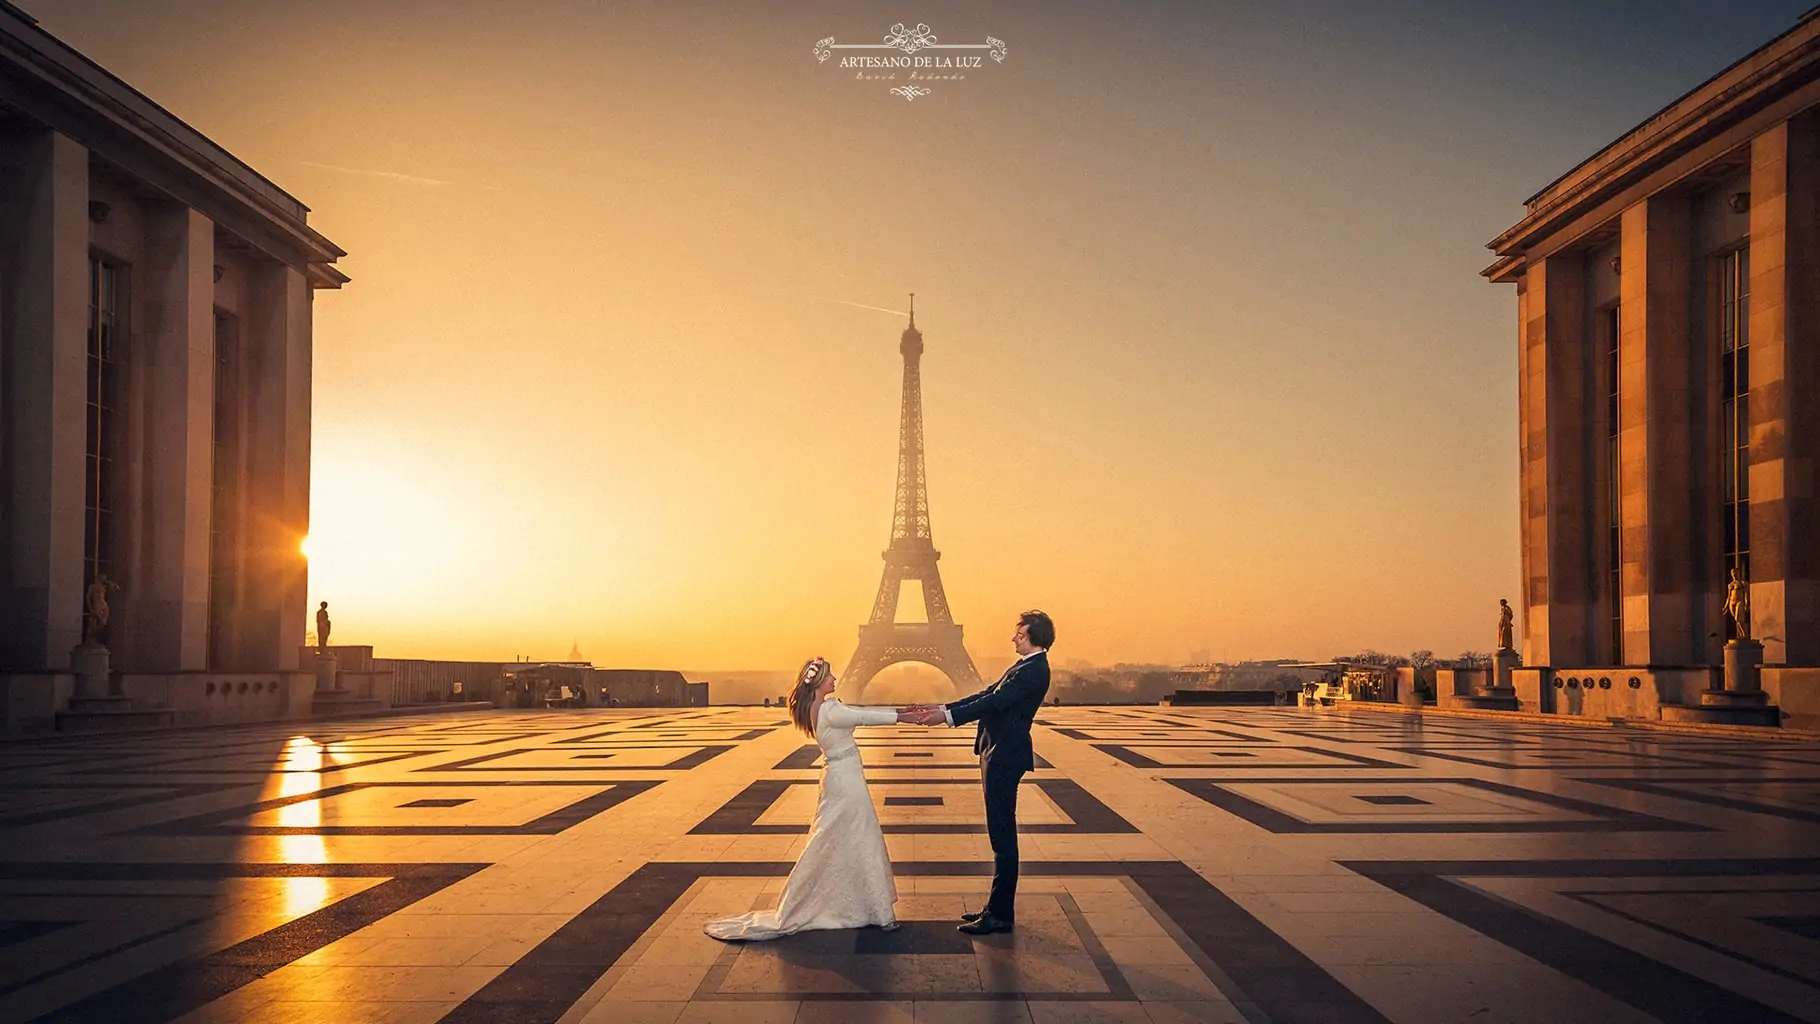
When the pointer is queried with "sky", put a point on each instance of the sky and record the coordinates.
(1210, 371)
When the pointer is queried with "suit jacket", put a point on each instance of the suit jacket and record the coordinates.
(1004, 712)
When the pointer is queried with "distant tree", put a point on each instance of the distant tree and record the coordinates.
(1472, 659)
(1422, 659)
(1371, 657)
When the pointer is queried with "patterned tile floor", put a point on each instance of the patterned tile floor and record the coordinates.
(1244, 865)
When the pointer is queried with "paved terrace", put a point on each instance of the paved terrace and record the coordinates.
(1180, 866)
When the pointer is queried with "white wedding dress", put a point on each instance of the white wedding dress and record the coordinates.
(843, 879)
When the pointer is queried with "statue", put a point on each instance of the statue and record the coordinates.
(1737, 605)
(95, 600)
(1506, 623)
(322, 628)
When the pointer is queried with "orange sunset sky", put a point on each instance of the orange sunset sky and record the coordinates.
(1209, 370)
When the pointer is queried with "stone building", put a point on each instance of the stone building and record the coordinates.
(155, 308)
(1668, 314)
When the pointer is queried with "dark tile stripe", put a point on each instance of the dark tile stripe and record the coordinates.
(225, 822)
(609, 736)
(697, 755)
(1586, 898)
(804, 756)
(174, 765)
(1606, 819)
(23, 931)
(1123, 752)
(1681, 867)
(1615, 757)
(739, 816)
(187, 871)
(98, 955)
(161, 794)
(1117, 986)
(545, 982)
(697, 758)
(1663, 992)
(1278, 977)
(1669, 788)
(1087, 812)
(171, 991)
(1194, 732)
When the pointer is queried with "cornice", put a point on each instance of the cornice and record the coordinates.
(1780, 66)
(52, 83)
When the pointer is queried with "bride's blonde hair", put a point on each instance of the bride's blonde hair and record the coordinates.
(802, 699)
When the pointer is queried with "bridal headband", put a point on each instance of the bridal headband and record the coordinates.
(812, 671)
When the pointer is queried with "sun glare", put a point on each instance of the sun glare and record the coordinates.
(303, 547)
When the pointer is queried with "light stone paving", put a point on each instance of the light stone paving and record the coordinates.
(1205, 865)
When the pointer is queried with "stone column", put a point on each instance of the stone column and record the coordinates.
(1655, 444)
(1556, 488)
(179, 338)
(276, 339)
(44, 269)
(1785, 391)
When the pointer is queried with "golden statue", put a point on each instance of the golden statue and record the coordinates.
(95, 600)
(1737, 605)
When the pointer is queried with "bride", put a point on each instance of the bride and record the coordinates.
(843, 878)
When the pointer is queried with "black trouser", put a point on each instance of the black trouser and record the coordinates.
(1001, 828)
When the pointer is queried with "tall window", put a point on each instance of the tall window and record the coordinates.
(1614, 541)
(98, 469)
(1734, 409)
(224, 491)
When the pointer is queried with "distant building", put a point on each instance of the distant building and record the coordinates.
(527, 685)
(155, 319)
(1668, 322)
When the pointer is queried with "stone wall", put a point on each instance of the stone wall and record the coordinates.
(1454, 683)
(1797, 692)
(31, 700)
(221, 698)
(1607, 692)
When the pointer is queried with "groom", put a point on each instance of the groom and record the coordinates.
(1004, 712)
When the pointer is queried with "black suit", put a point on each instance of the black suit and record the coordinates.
(1004, 712)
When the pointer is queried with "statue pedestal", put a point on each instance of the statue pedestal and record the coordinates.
(328, 678)
(1499, 694)
(1503, 663)
(89, 663)
(1743, 664)
(331, 700)
(1741, 701)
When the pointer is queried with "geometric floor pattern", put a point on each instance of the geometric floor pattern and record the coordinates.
(1180, 865)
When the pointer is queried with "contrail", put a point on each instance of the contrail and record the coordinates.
(861, 305)
(394, 175)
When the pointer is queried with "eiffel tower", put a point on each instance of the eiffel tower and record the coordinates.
(911, 555)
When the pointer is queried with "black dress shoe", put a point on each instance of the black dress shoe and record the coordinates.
(973, 915)
(986, 925)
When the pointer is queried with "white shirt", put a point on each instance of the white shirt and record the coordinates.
(949, 715)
